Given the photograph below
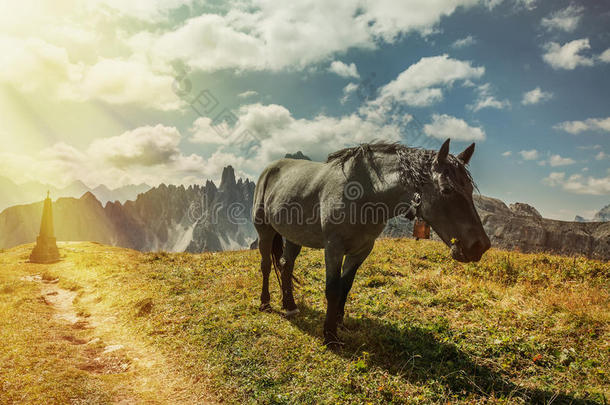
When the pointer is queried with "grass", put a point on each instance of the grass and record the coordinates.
(420, 327)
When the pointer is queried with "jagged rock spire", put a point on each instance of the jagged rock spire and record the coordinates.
(228, 178)
(45, 250)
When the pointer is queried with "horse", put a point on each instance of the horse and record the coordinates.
(343, 205)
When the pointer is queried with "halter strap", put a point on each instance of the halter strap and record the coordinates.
(414, 208)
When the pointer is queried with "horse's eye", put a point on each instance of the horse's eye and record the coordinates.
(446, 191)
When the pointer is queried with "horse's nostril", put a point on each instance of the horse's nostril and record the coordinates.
(479, 247)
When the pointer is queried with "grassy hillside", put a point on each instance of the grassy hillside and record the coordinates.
(420, 328)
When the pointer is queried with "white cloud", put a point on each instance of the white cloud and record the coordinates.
(601, 155)
(529, 154)
(344, 70)
(554, 178)
(605, 56)
(579, 184)
(205, 133)
(567, 56)
(536, 96)
(591, 124)
(445, 126)
(464, 42)
(274, 132)
(557, 160)
(255, 34)
(490, 102)
(265, 133)
(35, 65)
(247, 94)
(142, 9)
(143, 155)
(527, 4)
(517, 4)
(485, 99)
(144, 146)
(507, 153)
(348, 90)
(118, 81)
(421, 83)
(225, 46)
(389, 18)
(566, 19)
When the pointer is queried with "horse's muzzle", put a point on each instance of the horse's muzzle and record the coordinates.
(473, 253)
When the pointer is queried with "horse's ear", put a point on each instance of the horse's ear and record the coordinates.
(441, 155)
(466, 154)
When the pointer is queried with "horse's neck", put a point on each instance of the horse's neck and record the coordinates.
(387, 182)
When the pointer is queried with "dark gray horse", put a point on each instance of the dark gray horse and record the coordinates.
(343, 205)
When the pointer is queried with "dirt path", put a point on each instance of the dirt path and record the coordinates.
(106, 347)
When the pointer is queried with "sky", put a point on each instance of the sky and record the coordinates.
(171, 91)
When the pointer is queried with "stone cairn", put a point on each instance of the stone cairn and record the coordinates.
(45, 250)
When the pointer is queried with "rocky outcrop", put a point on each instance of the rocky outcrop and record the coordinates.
(522, 228)
(225, 222)
(524, 210)
(299, 156)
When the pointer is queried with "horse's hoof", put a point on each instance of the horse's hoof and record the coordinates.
(334, 344)
(292, 312)
(332, 341)
(266, 307)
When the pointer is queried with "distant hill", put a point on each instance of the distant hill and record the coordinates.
(602, 215)
(15, 194)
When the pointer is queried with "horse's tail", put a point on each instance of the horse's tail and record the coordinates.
(277, 249)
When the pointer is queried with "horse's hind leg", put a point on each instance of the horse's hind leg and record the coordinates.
(291, 252)
(265, 243)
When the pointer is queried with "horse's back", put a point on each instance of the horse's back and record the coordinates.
(287, 197)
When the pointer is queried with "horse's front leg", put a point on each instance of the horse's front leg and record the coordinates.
(333, 257)
(350, 266)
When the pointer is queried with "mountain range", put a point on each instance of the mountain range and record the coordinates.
(602, 215)
(15, 194)
(167, 217)
(201, 218)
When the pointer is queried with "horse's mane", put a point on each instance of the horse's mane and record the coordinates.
(363, 150)
(415, 163)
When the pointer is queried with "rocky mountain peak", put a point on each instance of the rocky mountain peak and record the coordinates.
(89, 197)
(228, 178)
(525, 210)
(298, 155)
